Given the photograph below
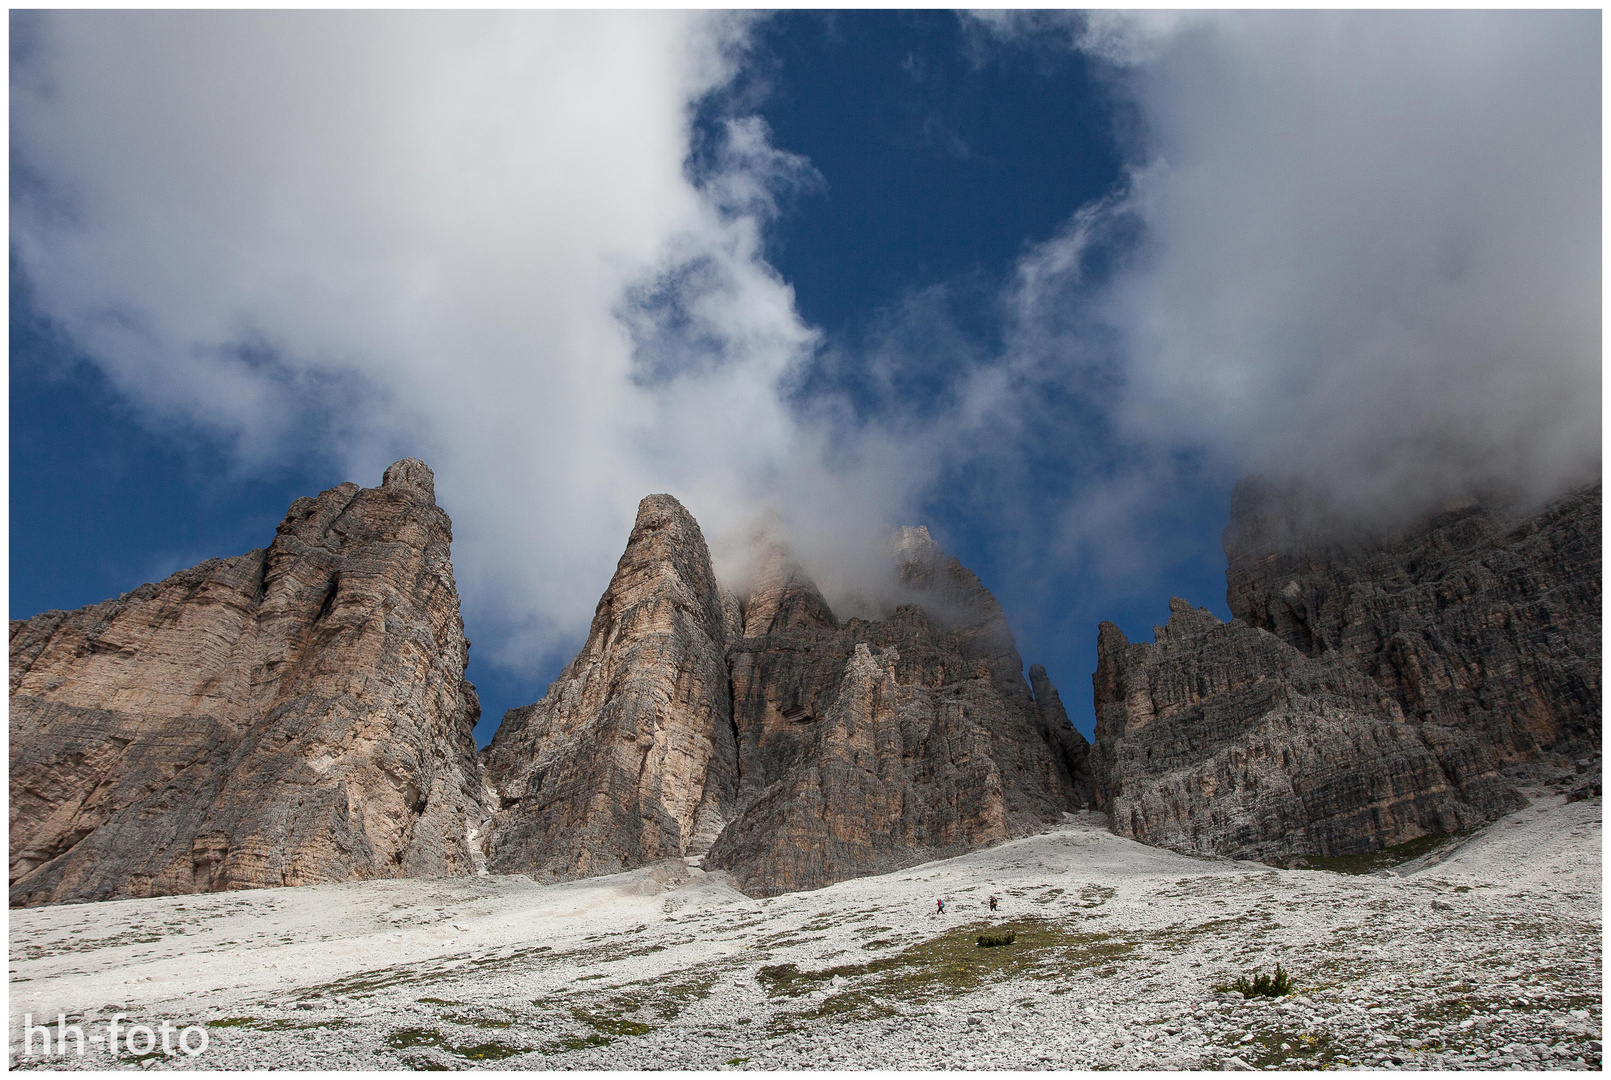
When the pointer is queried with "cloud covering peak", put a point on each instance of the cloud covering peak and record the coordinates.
(1356, 250)
(1359, 250)
(471, 236)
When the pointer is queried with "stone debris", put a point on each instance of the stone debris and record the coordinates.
(1122, 957)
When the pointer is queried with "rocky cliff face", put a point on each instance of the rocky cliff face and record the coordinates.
(300, 714)
(1367, 693)
(1220, 738)
(758, 731)
(877, 744)
(630, 757)
(1479, 621)
(295, 714)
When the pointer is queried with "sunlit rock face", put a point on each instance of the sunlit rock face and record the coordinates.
(296, 714)
(760, 733)
(300, 714)
(630, 757)
(1367, 693)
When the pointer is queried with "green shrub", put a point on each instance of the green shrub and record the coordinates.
(997, 937)
(1277, 985)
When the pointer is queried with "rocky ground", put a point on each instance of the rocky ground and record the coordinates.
(1481, 953)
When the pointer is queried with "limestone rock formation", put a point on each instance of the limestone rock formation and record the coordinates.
(1479, 620)
(630, 757)
(296, 714)
(1367, 693)
(760, 732)
(1220, 738)
(876, 744)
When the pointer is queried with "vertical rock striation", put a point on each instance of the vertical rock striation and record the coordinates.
(1219, 738)
(292, 715)
(760, 732)
(300, 714)
(630, 757)
(880, 743)
(1481, 621)
(1368, 692)
(874, 744)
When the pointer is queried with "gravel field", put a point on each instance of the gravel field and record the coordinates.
(1484, 953)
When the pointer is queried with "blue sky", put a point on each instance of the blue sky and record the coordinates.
(1047, 283)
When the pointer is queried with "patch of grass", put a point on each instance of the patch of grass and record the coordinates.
(1274, 985)
(945, 966)
(612, 1025)
(437, 1001)
(411, 1038)
(665, 995)
(408, 1038)
(488, 1051)
(573, 1042)
(264, 1024)
(369, 981)
(1305, 1050)
(736, 1061)
(1383, 859)
(515, 957)
(135, 1059)
(646, 950)
(1096, 895)
(996, 938)
(828, 922)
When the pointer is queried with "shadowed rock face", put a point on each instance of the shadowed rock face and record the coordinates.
(296, 714)
(761, 733)
(630, 757)
(1479, 621)
(1221, 738)
(1367, 693)
(872, 745)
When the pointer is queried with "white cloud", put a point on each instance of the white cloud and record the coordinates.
(475, 236)
(1360, 247)
(1356, 249)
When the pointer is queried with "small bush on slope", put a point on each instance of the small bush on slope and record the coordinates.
(1276, 985)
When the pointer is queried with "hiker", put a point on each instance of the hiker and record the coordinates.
(992, 903)
(939, 907)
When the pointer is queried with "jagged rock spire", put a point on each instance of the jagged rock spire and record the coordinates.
(629, 758)
(296, 714)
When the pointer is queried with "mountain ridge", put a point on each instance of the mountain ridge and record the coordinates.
(301, 713)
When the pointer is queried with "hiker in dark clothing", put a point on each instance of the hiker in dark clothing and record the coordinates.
(992, 903)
